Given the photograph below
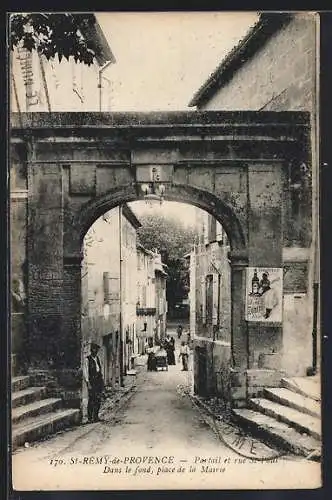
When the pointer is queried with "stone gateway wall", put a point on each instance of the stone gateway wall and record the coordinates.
(217, 170)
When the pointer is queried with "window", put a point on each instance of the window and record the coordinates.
(209, 299)
(219, 232)
(203, 300)
(144, 295)
(212, 229)
(106, 287)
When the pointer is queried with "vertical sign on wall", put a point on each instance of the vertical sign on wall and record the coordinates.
(264, 294)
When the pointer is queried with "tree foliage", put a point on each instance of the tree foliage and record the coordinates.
(53, 34)
(172, 240)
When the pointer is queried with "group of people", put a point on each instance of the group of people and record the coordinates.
(166, 349)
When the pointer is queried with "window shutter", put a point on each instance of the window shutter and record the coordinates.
(106, 286)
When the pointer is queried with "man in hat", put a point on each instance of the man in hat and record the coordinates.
(94, 380)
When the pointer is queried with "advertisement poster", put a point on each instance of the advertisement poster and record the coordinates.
(264, 294)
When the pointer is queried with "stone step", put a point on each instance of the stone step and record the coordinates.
(37, 428)
(294, 400)
(35, 409)
(306, 386)
(277, 433)
(305, 424)
(26, 396)
(20, 382)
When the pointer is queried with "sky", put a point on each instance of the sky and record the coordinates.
(172, 209)
(161, 61)
(163, 58)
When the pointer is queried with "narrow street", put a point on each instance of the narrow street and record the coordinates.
(158, 418)
(156, 440)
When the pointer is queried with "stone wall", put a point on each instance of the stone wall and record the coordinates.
(212, 361)
(18, 244)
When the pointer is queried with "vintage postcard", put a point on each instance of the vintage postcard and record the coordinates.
(164, 214)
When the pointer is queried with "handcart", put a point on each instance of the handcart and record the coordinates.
(161, 360)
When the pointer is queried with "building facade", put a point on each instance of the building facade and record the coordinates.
(146, 298)
(151, 298)
(128, 296)
(210, 307)
(161, 303)
(109, 283)
(274, 68)
(39, 84)
(101, 294)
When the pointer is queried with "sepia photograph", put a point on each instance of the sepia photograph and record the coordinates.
(164, 251)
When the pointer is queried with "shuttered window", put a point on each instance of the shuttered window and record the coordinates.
(106, 286)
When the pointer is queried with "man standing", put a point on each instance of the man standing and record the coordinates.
(179, 331)
(184, 354)
(94, 380)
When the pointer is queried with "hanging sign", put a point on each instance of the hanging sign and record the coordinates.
(264, 294)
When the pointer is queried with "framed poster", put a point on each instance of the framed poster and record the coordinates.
(264, 294)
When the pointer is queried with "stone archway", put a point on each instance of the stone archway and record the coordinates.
(184, 193)
(205, 200)
(235, 165)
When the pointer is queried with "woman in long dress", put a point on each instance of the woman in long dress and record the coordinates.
(170, 348)
(151, 360)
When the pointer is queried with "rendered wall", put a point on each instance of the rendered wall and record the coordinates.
(282, 76)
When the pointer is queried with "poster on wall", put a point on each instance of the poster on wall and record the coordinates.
(264, 294)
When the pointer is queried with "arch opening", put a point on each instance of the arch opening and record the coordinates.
(129, 334)
(183, 193)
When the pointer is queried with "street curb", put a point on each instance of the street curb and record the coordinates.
(119, 403)
(124, 396)
(205, 407)
(217, 419)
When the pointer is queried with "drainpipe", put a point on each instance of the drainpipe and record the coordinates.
(100, 73)
(315, 212)
(122, 347)
(314, 330)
